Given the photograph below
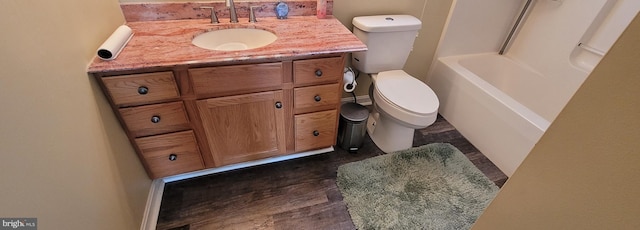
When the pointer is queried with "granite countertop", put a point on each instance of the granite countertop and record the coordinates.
(168, 43)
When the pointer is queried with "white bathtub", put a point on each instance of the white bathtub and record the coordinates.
(502, 107)
(500, 104)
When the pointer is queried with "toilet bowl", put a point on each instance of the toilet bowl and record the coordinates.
(402, 104)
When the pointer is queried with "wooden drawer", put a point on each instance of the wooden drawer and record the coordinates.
(239, 79)
(159, 152)
(139, 89)
(316, 98)
(315, 130)
(155, 119)
(314, 71)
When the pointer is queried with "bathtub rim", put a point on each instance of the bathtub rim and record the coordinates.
(526, 113)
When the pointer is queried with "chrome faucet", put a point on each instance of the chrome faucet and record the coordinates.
(252, 14)
(232, 11)
(214, 18)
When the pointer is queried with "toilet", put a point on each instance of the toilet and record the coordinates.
(401, 103)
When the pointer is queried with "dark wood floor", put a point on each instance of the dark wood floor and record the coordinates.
(294, 194)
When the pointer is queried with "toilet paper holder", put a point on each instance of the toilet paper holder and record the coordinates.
(349, 80)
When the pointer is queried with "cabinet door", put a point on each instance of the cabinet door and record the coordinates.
(244, 127)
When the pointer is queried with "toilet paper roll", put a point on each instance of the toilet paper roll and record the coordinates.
(350, 87)
(110, 49)
(349, 81)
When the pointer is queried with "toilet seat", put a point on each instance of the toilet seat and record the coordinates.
(405, 98)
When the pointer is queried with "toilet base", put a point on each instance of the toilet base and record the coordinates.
(387, 134)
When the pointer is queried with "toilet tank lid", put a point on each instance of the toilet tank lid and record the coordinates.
(386, 23)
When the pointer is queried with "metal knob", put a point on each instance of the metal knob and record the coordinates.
(317, 98)
(278, 105)
(318, 73)
(173, 157)
(142, 90)
(316, 133)
(155, 119)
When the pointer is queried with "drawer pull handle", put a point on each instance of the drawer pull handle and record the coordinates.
(155, 119)
(316, 133)
(142, 90)
(317, 98)
(278, 105)
(318, 73)
(173, 157)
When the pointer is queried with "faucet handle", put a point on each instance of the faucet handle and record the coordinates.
(252, 14)
(214, 17)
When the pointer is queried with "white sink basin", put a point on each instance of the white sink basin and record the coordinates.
(234, 39)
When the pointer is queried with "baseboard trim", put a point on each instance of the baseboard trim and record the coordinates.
(362, 99)
(152, 209)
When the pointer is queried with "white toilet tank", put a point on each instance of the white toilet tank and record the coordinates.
(389, 39)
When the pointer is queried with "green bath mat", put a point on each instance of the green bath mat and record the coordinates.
(428, 187)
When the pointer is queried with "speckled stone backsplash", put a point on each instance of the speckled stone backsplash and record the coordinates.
(157, 11)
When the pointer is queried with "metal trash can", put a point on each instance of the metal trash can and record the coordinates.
(352, 126)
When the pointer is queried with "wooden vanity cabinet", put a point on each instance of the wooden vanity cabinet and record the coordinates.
(317, 93)
(241, 111)
(192, 118)
(149, 107)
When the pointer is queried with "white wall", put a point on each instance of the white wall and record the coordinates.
(65, 159)
(548, 37)
(477, 26)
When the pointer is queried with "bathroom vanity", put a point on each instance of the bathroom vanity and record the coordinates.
(186, 109)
